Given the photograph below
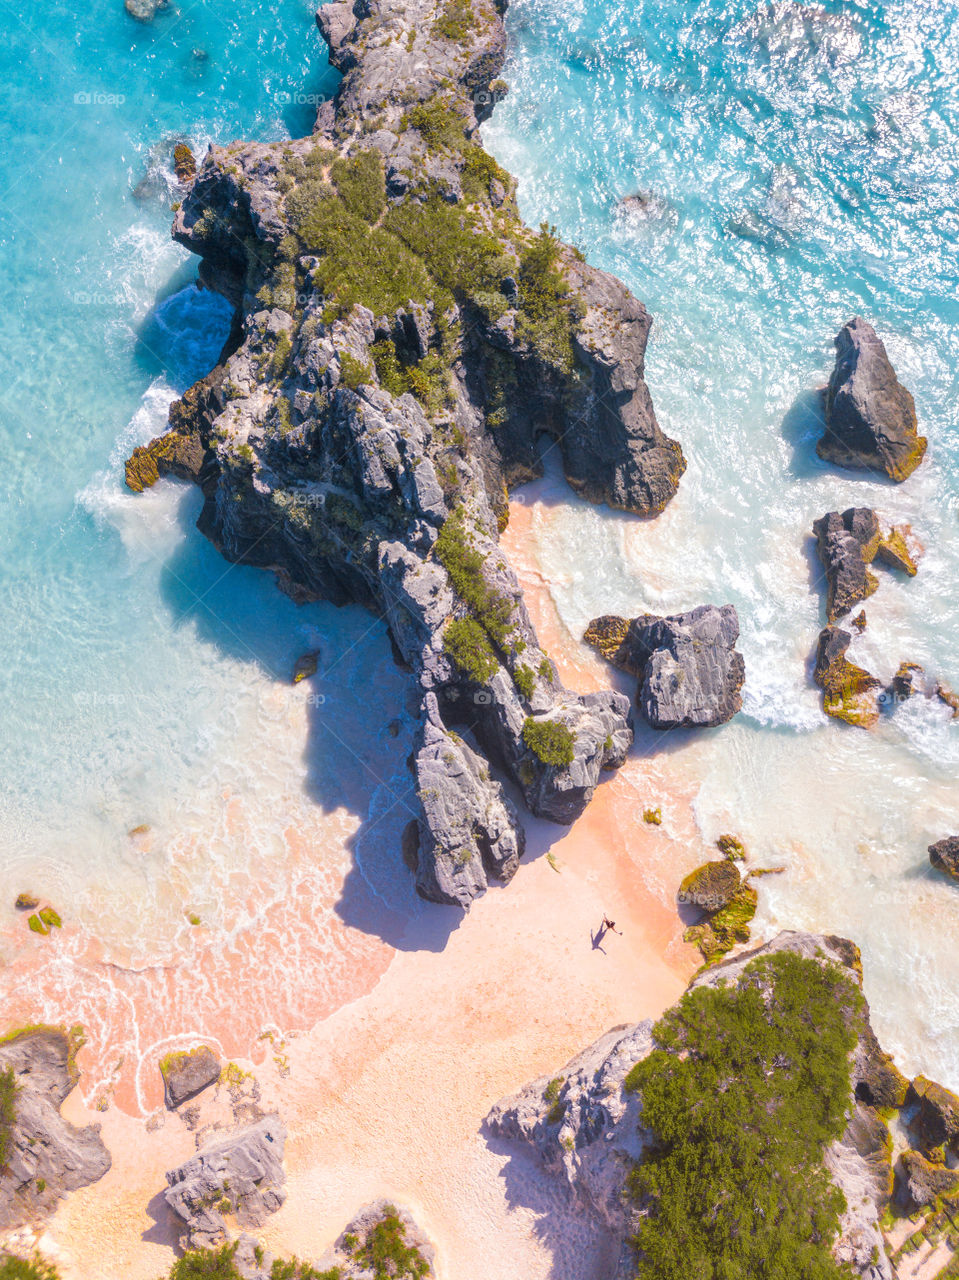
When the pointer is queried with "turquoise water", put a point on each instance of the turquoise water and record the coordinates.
(800, 165)
(138, 667)
(796, 177)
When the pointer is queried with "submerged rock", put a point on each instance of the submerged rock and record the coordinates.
(402, 342)
(870, 416)
(188, 1073)
(45, 1156)
(849, 692)
(944, 856)
(689, 671)
(241, 1175)
(847, 544)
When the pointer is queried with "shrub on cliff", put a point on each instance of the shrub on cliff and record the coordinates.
(386, 1253)
(27, 1269)
(551, 742)
(748, 1086)
(466, 643)
(8, 1112)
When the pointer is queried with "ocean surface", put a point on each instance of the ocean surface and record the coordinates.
(161, 781)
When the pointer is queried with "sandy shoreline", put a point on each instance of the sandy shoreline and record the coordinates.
(386, 1095)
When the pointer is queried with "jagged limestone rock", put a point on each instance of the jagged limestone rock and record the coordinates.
(870, 416)
(849, 692)
(689, 671)
(46, 1156)
(847, 544)
(241, 1174)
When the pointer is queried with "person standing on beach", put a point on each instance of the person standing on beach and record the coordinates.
(611, 925)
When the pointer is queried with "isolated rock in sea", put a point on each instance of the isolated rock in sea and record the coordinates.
(849, 542)
(187, 1073)
(944, 856)
(402, 341)
(946, 695)
(849, 692)
(241, 1175)
(46, 1157)
(689, 671)
(870, 416)
(184, 163)
(906, 682)
(382, 1232)
(586, 1127)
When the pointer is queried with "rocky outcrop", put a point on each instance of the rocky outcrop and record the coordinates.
(870, 416)
(936, 1118)
(711, 886)
(380, 1231)
(402, 341)
(187, 1073)
(920, 1182)
(727, 904)
(847, 544)
(46, 1157)
(944, 856)
(849, 692)
(690, 674)
(241, 1175)
(586, 1126)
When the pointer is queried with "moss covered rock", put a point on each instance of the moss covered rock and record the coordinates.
(921, 1182)
(711, 886)
(936, 1120)
(849, 692)
(725, 928)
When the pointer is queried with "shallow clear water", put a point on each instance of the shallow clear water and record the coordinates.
(802, 164)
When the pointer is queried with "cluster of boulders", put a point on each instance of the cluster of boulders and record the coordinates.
(689, 670)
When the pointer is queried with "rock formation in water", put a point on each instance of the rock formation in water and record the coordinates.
(241, 1175)
(402, 343)
(586, 1123)
(44, 1156)
(849, 692)
(944, 856)
(690, 674)
(187, 1073)
(870, 416)
(848, 544)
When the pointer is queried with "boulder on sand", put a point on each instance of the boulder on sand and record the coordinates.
(185, 1074)
(690, 674)
(944, 856)
(870, 416)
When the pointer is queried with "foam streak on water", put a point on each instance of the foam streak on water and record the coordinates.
(800, 165)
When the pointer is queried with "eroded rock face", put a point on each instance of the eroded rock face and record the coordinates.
(690, 674)
(920, 1182)
(402, 340)
(587, 1128)
(944, 856)
(847, 544)
(870, 416)
(241, 1174)
(47, 1156)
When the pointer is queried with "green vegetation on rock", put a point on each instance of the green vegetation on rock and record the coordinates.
(465, 641)
(386, 1253)
(723, 929)
(464, 564)
(747, 1086)
(550, 741)
(8, 1111)
(206, 1264)
(35, 1268)
(353, 373)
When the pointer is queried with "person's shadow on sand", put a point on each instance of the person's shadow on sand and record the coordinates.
(597, 939)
